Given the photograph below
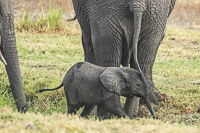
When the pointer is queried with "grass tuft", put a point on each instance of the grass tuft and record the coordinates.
(43, 23)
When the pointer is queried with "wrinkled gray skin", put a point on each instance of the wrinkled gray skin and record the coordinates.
(86, 84)
(9, 53)
(126, 32)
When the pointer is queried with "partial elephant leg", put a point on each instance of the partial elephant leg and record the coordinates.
(147, 55)
(94, 111)
(113, 105)
(1, 56)
(117, 110)
(72, 108)
(148, 74)
(131, 106)
(107, 45)
(88, 48)
(83, 19)
(101, 112)
(86, 111)
(10, 53)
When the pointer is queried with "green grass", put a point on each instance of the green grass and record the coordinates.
(45, 59)
(45, 62)
(44, 22)
(175, 71)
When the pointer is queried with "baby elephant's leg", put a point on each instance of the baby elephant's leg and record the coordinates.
(114, 106)
(72, 108)
(118, 111)
(86, 111)
(101, 112)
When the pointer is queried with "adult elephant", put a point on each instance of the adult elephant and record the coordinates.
(9, 53)
(126, 32)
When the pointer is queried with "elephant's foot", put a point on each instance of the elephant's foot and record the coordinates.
(24, 109)
(155, 90)
(147, 70)
(101, 114)
(156, 93)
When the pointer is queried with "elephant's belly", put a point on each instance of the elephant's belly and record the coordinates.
(91, 96)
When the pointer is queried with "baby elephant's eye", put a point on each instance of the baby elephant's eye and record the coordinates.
(138, 85)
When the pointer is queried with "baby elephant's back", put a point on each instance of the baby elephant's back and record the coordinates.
(87, 71)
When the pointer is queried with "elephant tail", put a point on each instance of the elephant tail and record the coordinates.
(39, 91)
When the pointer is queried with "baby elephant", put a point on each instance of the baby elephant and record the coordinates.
(86, 84)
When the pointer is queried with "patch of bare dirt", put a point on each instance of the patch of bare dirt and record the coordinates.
(186, 110)
(165, 97)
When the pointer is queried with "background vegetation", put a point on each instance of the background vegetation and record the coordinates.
(48, 46)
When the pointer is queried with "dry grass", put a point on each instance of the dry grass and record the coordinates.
(186, 14)
(36, 5)
(42, 16)
(60, 123)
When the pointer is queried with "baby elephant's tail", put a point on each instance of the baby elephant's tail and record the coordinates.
(38, 91)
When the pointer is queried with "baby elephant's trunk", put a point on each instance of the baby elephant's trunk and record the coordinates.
(147, 102)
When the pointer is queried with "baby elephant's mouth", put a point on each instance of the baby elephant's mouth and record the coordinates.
(137, 95)
(131, 95)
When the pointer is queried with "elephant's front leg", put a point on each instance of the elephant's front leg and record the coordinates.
(131, 106)
(114, 106)
(10, 53)
(86, 111)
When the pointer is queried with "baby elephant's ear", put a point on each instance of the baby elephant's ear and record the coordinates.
(113, 80)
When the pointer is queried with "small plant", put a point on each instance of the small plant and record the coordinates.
(41, 22)
(54, 19)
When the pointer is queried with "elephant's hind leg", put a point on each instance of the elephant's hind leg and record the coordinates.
(86, 111)
(148, 47)
(102, 113)
(107, 45)
(88, 48)
(72, 108)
